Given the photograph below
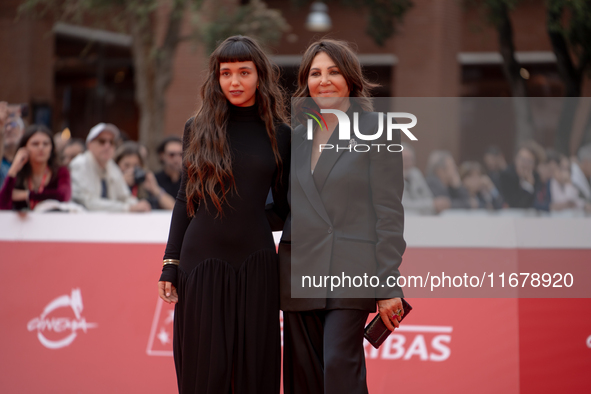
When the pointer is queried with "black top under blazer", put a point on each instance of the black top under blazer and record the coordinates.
(348, 218)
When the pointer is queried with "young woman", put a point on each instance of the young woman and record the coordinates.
(346, 219)
(129, 159)
(220, 263)
(35, 174)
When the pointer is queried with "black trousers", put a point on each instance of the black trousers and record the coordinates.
(323, 352)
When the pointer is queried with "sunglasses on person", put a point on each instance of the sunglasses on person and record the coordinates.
(13, 124)
(103, 141)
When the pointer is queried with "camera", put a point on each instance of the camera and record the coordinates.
(21, 110)
(139, 176)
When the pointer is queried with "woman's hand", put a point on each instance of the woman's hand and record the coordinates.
(167, 292)
(525, 174)
(487, 183)
(387, 310)
(141, 206)
(165, 200)
(20, 159)
(128, 175)
(20, 195)
(151, 184)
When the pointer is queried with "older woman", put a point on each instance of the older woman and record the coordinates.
(346, 218)
(35, 174)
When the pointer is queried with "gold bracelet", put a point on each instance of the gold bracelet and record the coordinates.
(170, 261)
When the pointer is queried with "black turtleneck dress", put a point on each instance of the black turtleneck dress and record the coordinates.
(226, 324)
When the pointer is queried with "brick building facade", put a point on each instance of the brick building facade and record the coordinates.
(441, 50)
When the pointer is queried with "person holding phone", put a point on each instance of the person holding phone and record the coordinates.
(35, 174)
(220, 263)
(12, 128)
(346, 218)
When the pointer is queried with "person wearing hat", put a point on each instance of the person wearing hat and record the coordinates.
(97, 182)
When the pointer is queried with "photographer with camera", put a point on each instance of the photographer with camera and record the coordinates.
(35, 174)
(97, 182)
(142, 183)
(12, 128)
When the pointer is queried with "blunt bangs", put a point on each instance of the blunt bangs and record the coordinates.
(234, 51)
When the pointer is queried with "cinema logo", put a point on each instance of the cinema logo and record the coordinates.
(412, 342)
(345, 130)
(54, 330)
(160, 339)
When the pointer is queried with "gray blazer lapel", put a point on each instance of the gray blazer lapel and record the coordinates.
(327, 160)
(304, 175)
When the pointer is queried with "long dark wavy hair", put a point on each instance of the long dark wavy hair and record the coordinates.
(345, 59)
(208, 159)
(53, 163)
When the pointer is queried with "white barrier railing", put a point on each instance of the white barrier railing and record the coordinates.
(470, 231)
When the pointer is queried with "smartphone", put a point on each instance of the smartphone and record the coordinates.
(21, 110)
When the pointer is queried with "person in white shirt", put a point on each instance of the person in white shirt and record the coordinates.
(97, 182)
(417, 197)
(563, 193)
(581, 171)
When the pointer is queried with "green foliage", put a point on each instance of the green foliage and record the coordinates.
(70, 10)
(254, 19)
(575, 27)
(109, 14)
(569, 18)
(383, 14)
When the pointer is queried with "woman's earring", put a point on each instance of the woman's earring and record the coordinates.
(257, 85)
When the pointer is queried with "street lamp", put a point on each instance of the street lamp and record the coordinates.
(318, 19)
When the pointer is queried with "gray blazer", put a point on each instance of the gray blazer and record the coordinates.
(346, 218)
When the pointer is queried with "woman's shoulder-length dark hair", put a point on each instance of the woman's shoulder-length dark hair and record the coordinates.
(348, 64)
(208, 158)
(52, 163)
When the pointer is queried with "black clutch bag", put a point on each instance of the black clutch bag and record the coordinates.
(376, 331)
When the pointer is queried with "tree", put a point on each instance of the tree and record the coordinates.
(498, 15)
(382, 17)
(571, 43)
(153, 57)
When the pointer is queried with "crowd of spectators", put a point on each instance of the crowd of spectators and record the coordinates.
(538, 179)
(102, 173)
